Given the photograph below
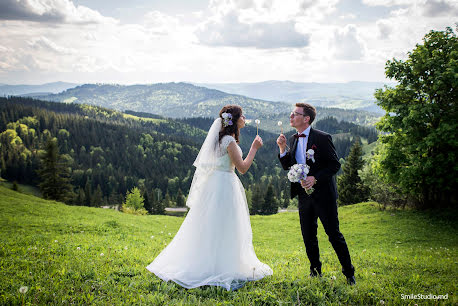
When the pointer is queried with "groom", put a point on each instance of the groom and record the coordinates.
(321, 203)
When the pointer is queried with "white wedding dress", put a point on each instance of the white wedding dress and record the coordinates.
(214, 243)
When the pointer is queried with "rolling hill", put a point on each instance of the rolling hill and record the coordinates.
(183, 100)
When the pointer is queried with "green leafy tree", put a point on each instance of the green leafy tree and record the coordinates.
(419, 146)
(134, 199)
(54, 173)
(350, 186)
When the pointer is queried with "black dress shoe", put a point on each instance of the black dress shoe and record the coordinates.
(351, 280)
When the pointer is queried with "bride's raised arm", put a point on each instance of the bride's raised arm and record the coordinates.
(243, 165)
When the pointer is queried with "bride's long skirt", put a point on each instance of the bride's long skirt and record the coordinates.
(214, 243)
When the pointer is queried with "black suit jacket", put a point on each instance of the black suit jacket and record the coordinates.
(324, 168)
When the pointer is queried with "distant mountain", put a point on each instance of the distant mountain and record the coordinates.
(35, 90)
(183, 100)
(351, 95)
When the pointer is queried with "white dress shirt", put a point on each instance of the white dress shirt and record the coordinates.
(301, 147)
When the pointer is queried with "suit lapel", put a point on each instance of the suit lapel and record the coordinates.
(310, 139)
(293, 142)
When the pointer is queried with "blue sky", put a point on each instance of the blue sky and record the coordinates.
(213, 41)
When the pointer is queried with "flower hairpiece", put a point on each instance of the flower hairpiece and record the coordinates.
(227, 119)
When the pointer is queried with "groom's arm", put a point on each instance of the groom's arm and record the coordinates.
(285, 160)
(330, 159)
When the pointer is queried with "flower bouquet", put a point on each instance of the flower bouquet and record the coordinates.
(299, 172)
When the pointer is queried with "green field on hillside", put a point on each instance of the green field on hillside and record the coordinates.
(70, 254)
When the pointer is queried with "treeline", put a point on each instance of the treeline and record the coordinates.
(110, 152)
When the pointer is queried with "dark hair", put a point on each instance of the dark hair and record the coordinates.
(309, 110)
(236, 112)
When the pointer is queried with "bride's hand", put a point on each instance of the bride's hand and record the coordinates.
(257, 142)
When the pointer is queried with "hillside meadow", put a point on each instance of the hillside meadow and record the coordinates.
(73, 254)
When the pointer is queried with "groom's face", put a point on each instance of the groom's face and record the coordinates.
(297, 119)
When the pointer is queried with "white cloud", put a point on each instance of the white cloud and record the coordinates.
(52, 11)
(231, 32)
(44, 44)
(384, 29)
(348, 46)
(436, 8)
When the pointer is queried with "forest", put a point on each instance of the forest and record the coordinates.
(109, 152)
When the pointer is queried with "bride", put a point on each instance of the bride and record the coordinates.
(214, 243)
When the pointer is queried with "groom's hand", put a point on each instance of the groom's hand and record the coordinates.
(308, 182)
(281, 142)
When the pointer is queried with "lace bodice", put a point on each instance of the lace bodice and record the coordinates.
(224, 161)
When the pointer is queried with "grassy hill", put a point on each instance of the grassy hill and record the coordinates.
(68, 254)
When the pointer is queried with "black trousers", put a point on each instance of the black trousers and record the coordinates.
(310, 210)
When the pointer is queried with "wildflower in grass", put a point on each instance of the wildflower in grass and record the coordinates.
(125, 248)
(373, 273)
(101, 254)
(333, 277)
(78, 248)
(23, 289)
(382, 302)
(162, 232)
(170, 234)
(364, 250)
(55, 241)
(152, 237)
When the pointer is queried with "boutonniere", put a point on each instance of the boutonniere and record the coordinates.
(311, 153)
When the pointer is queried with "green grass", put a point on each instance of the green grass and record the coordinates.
(56, 251)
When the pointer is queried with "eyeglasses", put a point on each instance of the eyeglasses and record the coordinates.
(293, 114)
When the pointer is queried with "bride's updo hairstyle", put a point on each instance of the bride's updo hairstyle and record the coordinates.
(236, 112)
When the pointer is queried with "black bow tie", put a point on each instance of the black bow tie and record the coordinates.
(299, 135)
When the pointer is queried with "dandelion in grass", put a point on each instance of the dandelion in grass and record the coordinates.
(23, 289)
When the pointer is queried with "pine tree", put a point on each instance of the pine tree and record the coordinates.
(181, 200)
(54, 173)
(147, 204)
(158, 205)
(270, 206)
(257, 200)
(97, 198)
(351, 188)
(87, 193)
(286, 196)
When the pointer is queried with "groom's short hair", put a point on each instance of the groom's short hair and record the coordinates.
(309, 110)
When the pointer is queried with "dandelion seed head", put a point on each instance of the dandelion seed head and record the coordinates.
(23, 289)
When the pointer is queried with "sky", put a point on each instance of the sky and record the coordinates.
(211, 41)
